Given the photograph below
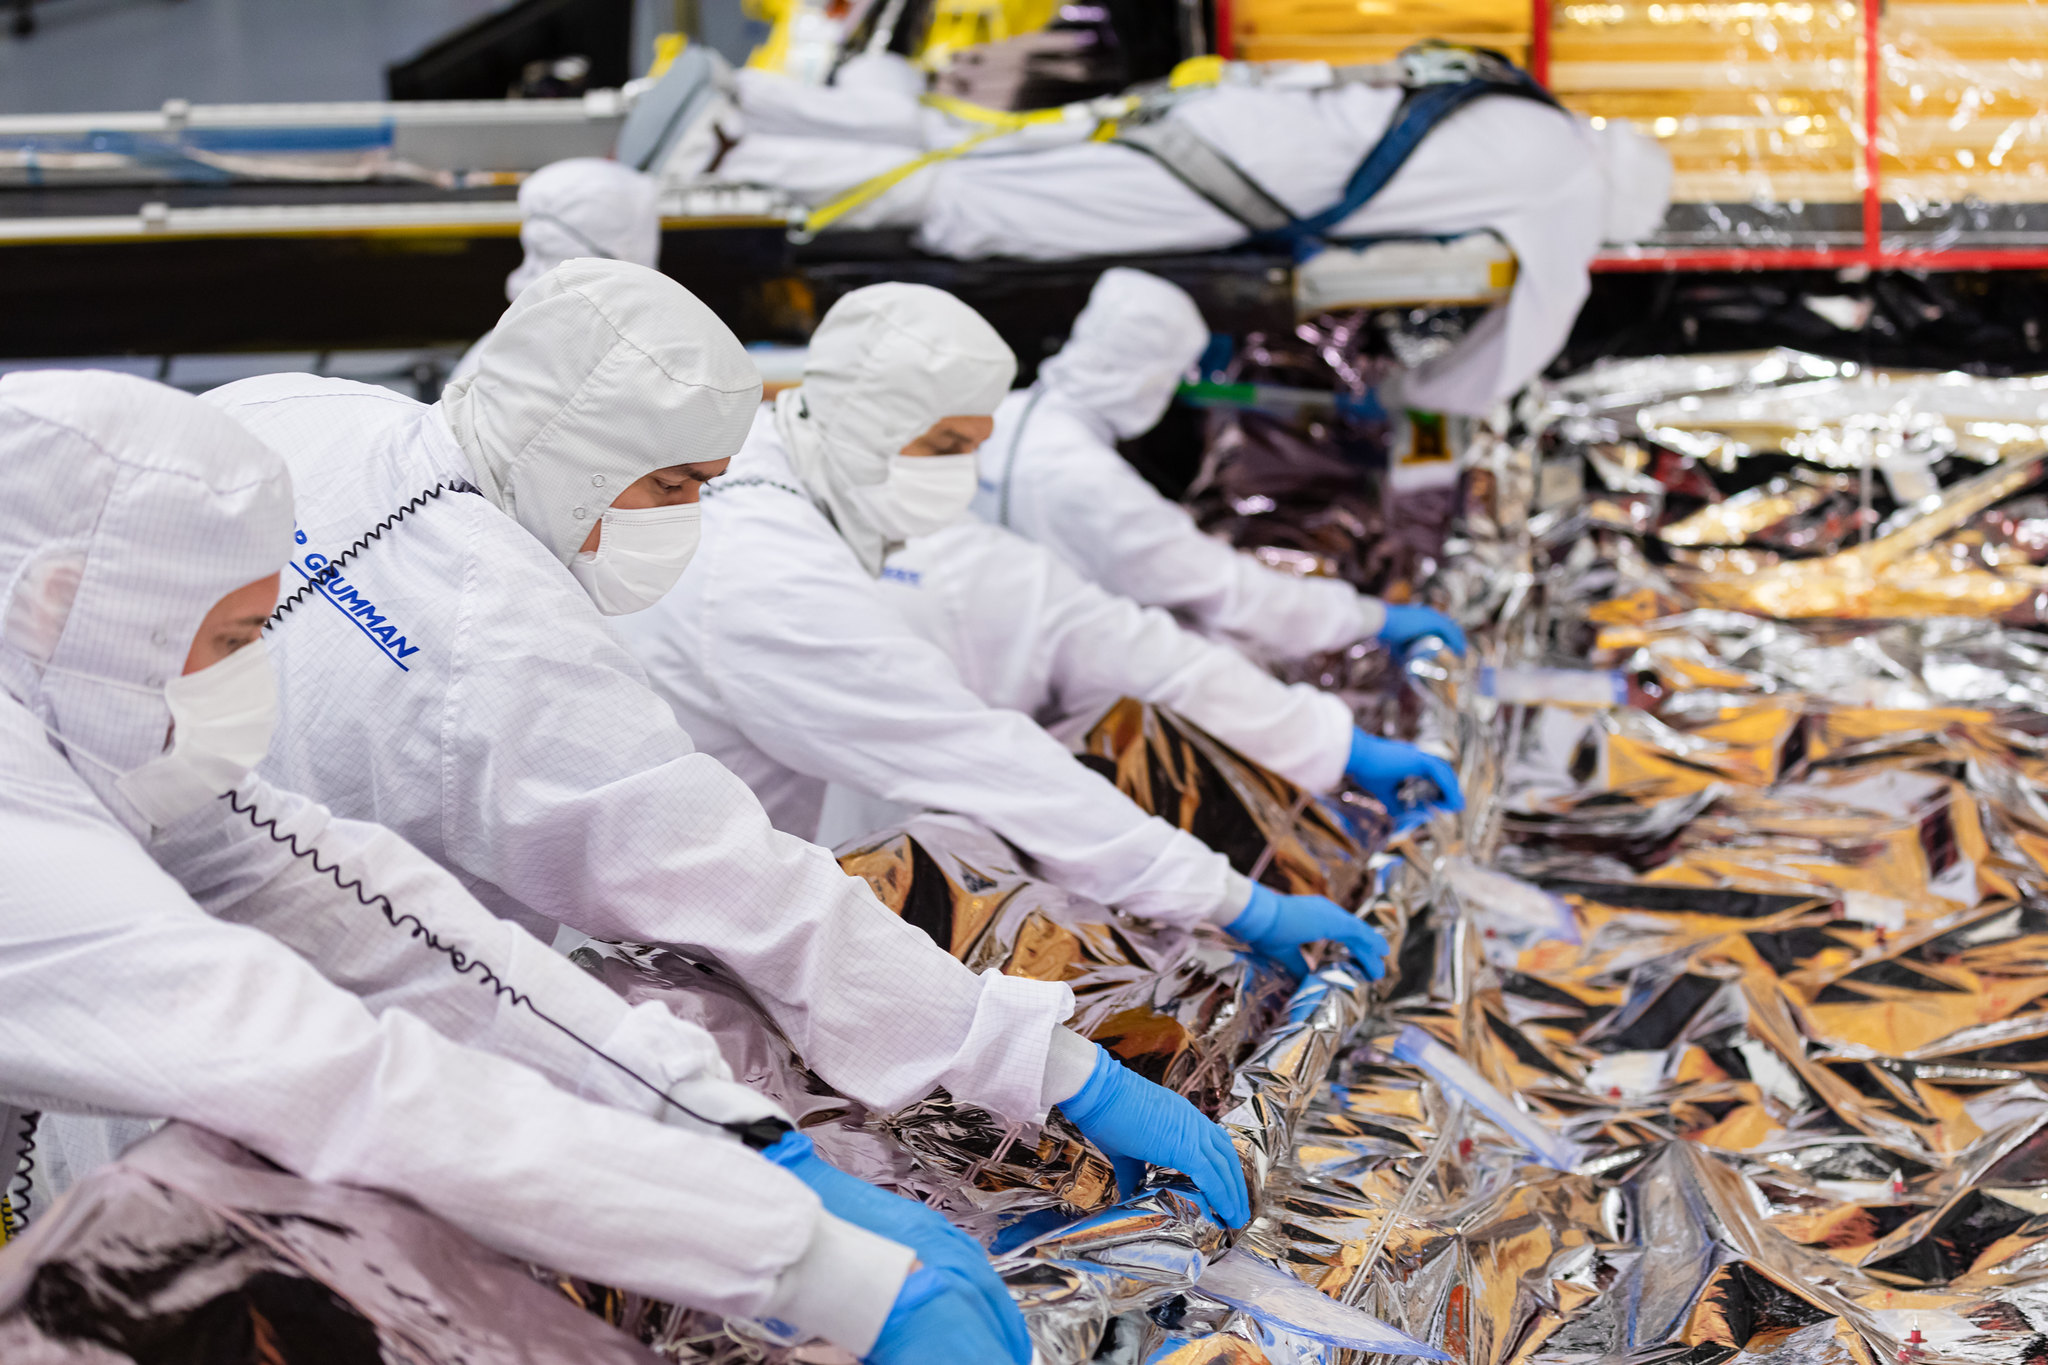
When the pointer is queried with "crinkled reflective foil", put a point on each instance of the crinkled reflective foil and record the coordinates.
(1775, 951)
(1715, 1030)
(1188, 1009)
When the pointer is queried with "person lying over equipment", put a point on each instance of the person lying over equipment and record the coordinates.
(1288, 156)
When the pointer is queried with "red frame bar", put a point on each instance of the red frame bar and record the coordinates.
(1871, 253)
(1873, 206)
(1795, 258)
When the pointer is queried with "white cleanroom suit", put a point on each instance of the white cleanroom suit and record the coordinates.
(1051, 472)
(1545, 181)
(454, 682)
(130, 510)
(1029, 634)
(791, 663)
(585, 206)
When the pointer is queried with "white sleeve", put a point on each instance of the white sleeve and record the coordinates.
(1082, 648)
(1081, 498)
(782, 106)
(123, 996)
(819, 671)
(570, 790)
(370, 923)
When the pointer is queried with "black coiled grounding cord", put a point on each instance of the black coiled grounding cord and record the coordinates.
(21, 1187)
(757, 1133)
(332, 568)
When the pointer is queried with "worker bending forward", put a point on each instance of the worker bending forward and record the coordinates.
(174, 949)
(783, 653)
(1050, 471)
(447, 672)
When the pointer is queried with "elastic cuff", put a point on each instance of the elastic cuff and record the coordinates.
(843, 1286)
(1372, 617)
(1237, 894)
(1080, 1106)
(1001, 1063)
(1069, 1060)
(1256, 919)
(1331, 723)
(659, 1046)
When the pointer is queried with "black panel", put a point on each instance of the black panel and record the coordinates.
(1033, 303)
(335, 293)
(480, 61)
(1984, 322)
(1696, 900)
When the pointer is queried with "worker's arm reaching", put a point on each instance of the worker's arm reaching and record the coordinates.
(821, 673)
(1051, 472)
(123, 996)
(377, 918)
(1028, 632)
(1065, 486)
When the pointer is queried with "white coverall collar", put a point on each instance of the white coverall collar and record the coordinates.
(131, 509)
(599, 374)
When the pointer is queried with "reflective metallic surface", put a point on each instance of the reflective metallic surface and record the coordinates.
(1715, 1030)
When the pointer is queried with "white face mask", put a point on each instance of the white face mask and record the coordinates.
(221, 721)
(641, 552)
(923, 493)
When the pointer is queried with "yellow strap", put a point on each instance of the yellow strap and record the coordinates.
(875, 187)
(999, 122)
(1007, 120)
(667, 47)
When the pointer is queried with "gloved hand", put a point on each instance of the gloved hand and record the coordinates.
(1278, 925)
(1384, 766)
(937, 1320)
(1405, 625)
(1132, 1120)
(937, 1243)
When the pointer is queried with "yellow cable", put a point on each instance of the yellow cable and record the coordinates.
(667, 47)
(875, 187)
(1204, 70)
(1005, 119)
(998, 122)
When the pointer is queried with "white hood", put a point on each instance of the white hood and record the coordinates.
(1128, 350)
(1637, 170)
(585, 207)
(131, 509)
(598, 375)
(885, 363)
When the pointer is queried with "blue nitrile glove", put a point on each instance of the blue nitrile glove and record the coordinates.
(1132, 1120)
(1278, 925)
(905, 1221)
(1384, 766)
(937, 1320)
(1405, 625)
